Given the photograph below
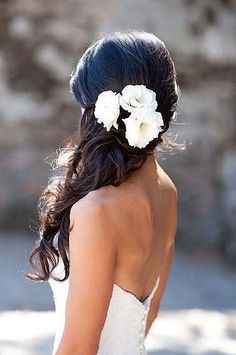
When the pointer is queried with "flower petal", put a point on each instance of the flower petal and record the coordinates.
(142, 126)
(137, 96)
(107, 109)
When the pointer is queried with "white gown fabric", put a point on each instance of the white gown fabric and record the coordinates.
(124, 329)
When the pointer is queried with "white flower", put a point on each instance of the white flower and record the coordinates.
(107, 109)
(137, 96)
(142, 126)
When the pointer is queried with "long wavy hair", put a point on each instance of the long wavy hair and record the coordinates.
(101, 157)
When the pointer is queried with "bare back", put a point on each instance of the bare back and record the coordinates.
(119, 235)
(148, 217)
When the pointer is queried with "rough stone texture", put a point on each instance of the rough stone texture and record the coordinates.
(40, 45)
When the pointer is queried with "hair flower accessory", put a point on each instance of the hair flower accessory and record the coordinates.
(143, 123)
(142, 126)
(137, 96)
(107, 109)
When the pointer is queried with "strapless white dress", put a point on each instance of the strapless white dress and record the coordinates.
(124, 329)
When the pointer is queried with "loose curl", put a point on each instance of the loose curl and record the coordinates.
(101, 157)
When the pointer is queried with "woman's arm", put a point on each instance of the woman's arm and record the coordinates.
(156, 300)
(92, 263)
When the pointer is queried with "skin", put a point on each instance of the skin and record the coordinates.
(131, 254)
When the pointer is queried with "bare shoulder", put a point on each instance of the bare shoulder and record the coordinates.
(98, 202)
(96, 211)
(168, 184)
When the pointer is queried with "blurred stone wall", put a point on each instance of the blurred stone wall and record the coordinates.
(40, 45)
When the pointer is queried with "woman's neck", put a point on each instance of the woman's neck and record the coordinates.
(148, 172)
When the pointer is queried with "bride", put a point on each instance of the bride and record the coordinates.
(108, 216)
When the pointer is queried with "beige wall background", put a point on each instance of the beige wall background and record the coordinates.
(41, 42)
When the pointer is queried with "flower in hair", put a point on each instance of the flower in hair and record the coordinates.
(137, 96)
(143, 123)
(107, 109)
(142, 126)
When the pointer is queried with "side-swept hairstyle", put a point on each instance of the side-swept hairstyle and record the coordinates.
(101, 158)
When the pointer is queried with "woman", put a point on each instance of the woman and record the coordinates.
(108, 219)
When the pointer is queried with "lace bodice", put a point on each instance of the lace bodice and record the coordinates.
(124, 329)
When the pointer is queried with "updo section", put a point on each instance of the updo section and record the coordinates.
(127, 58)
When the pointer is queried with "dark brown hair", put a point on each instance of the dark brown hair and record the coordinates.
(102, 157)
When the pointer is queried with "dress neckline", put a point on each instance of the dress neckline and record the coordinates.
(131, 294)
